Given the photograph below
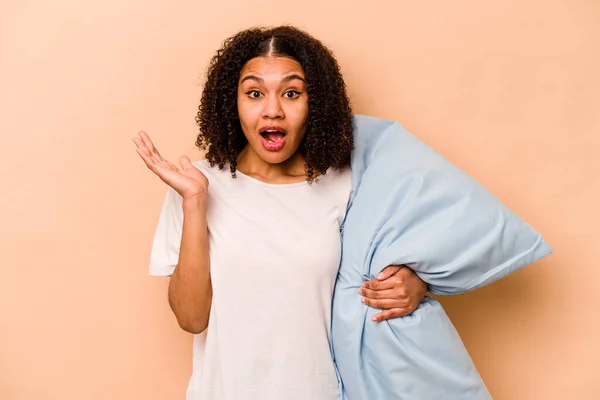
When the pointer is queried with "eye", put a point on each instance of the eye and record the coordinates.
(254, 94)
(291, 94)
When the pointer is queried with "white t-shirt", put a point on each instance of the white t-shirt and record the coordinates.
(274, 255)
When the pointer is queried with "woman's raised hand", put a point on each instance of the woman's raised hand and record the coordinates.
(188, 180)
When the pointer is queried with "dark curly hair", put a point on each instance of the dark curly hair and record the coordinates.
(329, 134)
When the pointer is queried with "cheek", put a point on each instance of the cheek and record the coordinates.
(299, 114)
(246, 113)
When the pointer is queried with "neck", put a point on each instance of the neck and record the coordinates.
(250, 163)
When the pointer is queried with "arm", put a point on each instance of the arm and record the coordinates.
(190, 290)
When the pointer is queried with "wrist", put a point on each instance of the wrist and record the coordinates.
(195, 202)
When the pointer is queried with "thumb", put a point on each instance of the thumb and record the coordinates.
(388, 271)
(185, 163)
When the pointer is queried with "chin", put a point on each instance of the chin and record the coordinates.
(278, 157)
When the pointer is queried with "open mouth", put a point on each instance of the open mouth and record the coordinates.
(273, 135)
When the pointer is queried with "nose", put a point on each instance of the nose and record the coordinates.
(273, 109)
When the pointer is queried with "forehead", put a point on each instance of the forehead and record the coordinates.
(270, 65)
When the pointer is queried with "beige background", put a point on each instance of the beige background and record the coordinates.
(508, 90)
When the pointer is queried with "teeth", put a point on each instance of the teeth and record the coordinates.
(266, 134)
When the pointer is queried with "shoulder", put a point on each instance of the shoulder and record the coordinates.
(341, 178)
(202, 164)
(212, 173)
(337, 183)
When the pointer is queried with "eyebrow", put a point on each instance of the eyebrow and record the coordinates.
(290, 78)
(287, 79)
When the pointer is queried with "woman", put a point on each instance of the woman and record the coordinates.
(258, 250)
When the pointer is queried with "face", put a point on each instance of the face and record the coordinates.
(273, 107)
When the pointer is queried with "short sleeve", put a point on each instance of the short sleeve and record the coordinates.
(167, 237)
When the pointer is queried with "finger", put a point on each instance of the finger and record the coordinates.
(146, 139)
(388, 271)
(389, 283)
(142, 150)
(388, 314)
(148, 160)
(382, 304)
(140, 144)
(155, 162)
(393, 294)
(153, 153)
(185, 163)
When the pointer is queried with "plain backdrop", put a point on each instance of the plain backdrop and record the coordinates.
(507, 90)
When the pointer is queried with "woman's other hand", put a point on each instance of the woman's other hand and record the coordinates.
(398, 290)
(188, 181)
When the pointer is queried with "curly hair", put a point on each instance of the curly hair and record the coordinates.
(329, 132)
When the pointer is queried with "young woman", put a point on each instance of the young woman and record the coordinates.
(251, 235)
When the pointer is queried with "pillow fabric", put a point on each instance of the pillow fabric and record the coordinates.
(411, 206)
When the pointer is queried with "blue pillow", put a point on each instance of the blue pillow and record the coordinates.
(411, 206)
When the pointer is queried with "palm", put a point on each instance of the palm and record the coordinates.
(188, 180)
